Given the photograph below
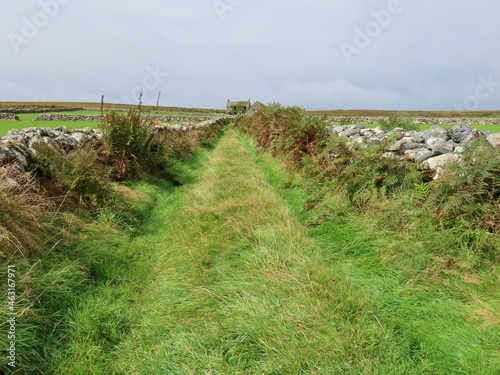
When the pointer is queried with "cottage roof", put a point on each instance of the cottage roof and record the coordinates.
(238, 104)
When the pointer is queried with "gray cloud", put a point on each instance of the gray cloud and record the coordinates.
(413, 55)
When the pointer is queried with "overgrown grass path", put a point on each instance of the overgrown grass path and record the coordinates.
(241, 287)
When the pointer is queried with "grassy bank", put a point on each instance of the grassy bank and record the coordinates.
(69, 230)
(80, 293)
(439, 312)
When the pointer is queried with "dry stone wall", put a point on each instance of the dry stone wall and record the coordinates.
(17, 146)
(421, 120)
(25, 109)
(432, 148)
(83, 117)
(9, 116)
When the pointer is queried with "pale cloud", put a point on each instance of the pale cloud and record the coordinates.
(429, 55)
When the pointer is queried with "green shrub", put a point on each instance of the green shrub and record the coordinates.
(467, 198)
(364, 174)
(132, 145)
(287, 131)
(346, 120)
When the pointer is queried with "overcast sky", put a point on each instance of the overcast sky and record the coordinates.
(319, 54)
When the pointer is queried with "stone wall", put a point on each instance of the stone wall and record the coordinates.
(83, 117)
(9, 116)
(25, 109)
(420, 120)
(17, 146)
(433, 148)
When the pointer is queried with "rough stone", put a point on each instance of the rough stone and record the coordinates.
(411, 146)
(83, 117)
(418, 154)
(440, 161)
(9, 116)
(494, 140)
(431, 141)
(439, 132)
(398, 145)
(8, 183)
(421, 120)
(442, 147)
(459, 132)
(473, 136)
(391, 155)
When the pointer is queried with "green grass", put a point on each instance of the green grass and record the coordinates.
(228, 274)
(442, 313)
(28, 121)
(79, 300)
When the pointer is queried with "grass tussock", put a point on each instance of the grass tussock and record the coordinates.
(24, 210)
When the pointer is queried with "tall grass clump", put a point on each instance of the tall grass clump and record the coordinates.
(364, 173)
(24, 211)
(79, 174)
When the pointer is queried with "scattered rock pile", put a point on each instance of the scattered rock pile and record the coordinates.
(9, 116)
(420, 120)
(433, 148)
(17, 146)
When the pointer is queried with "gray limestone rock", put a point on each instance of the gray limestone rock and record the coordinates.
(473, 136)
(440, 161)
(418, 154)
(494, 140)
(442, 147)
(459, 132)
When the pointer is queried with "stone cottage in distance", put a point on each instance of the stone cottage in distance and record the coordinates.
(236, 108)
